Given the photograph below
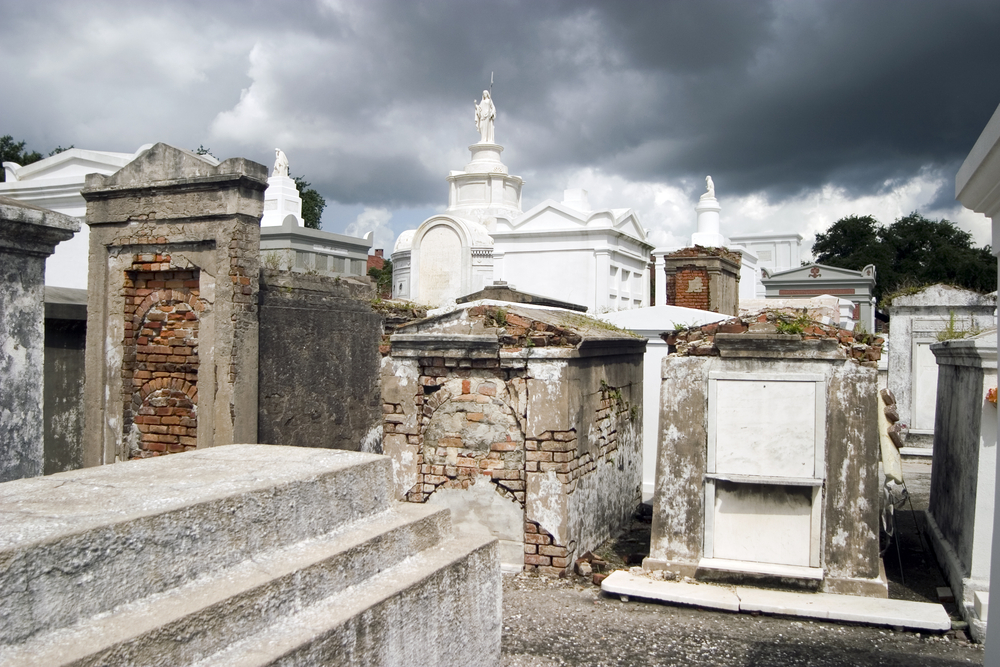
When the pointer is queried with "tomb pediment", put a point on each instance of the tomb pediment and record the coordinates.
(163, 163)
(822, 272)
(551, 215)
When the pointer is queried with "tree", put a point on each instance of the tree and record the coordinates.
(913, 251)
(313, 203)
(13, 151)
(382, 278)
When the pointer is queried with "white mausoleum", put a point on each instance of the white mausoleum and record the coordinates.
(563, 250)
(55, 183)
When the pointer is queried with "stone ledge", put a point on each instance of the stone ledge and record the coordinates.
(776, 346)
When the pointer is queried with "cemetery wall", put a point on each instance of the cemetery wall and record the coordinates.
(917, 321)
(172, 305)
(21, 366)
(318, 364)
(28, 234)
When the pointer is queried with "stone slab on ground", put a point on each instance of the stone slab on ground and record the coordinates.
(697, 595)
(872, 611)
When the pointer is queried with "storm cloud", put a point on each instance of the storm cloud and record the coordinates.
(801, 111)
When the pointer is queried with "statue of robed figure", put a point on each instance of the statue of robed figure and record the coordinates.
(486, 113)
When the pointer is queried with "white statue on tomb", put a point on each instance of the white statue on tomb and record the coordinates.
(280, 163)
(709, 188)
(486, 113)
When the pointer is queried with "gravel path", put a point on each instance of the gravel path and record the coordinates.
(569, 622)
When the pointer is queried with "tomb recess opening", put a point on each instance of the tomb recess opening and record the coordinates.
(160, 361)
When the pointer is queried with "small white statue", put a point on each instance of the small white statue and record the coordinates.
(709, 188)
(486, 113)
(280, 163)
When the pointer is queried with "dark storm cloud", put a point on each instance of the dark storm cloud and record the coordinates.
(374, 98)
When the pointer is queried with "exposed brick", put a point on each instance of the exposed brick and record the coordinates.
(550, 550)
(535, 559)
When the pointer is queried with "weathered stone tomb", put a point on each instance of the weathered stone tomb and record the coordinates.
(28, 234)
(767, 465)
(963, 475)
(318, 362)
(525, 419)
(172, 304)
(917, 321)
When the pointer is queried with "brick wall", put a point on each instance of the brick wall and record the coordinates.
(688, 287)
(160, 360)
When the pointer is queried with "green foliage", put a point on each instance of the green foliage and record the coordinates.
(201, 150)
(313, 203)
(862, 335)
(911, 251)
(382, 278)
(13, 151)
(59, 149)
(786, 325)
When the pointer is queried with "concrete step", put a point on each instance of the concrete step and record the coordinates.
(441, 607)
(210, 613)
(112, 535)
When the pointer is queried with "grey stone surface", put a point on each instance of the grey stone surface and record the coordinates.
(319, 363)
(511, 295)
(241, 554)
(850, 608)
(681, 460)
(852, 488)
(205, 217)
(28, 235)
(65, 366)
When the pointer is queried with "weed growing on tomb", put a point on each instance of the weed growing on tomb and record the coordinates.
(953, 331)
(862, 335)
(784, 324)
(495, 317)
(271, 260)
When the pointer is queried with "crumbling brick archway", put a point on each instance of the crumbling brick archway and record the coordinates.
(470, 428)
(160, 362)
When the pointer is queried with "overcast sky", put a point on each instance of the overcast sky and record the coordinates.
(802, 112)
